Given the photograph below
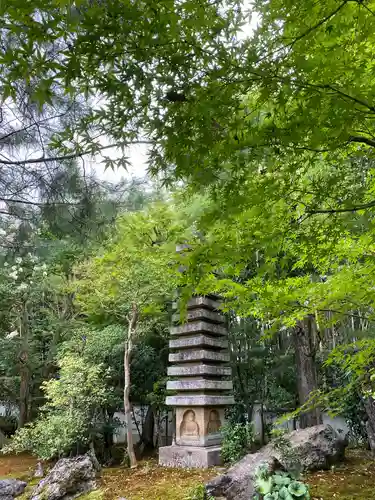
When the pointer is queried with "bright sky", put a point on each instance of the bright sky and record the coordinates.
(138, 159)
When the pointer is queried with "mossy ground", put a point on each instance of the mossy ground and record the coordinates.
(353, 480)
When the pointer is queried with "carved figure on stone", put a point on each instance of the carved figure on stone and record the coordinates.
(189, 427)
(214, 422)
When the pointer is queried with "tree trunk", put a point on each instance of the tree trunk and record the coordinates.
(370, 423)
(24, 370)
(148, 430)
(127, 406)
(24, 389)
(307, 378)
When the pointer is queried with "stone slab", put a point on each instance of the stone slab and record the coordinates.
(207, 302)
(196, 385)
(199, 426)
(188, 457)
(192, 370)
(198, 327)
(197, 341)
(199, 400)
(198, 355)
(200, 313)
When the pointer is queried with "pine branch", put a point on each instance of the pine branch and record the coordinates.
(70, 156)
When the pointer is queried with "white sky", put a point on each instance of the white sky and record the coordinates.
(138, 159)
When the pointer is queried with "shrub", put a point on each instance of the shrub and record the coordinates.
(199, 493)
(278, 485)
(72, 418)
(237, 441)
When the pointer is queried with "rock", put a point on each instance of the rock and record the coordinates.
(39, 472)
(317, 447)
(238, 481)
(68, 479)
(11, 488)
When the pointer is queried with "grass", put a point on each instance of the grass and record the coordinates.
(353, 480)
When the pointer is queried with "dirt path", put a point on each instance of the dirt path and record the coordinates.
(16, 465)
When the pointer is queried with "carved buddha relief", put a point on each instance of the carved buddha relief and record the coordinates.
(214, 422)
(189, 427)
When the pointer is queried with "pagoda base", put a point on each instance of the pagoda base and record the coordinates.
(189, 457)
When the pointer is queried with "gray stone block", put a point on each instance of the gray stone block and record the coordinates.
(198, 340)
(188, 457)
(208, 302)
(193, 370)
(196, 385)
(198, 355)
(199, 400)
(199, 327)
(203, 441)
(200, 313)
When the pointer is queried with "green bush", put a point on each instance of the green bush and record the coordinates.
(199, 493)
(237, 441)
(71, 419)
(278, 485)
(50, 436)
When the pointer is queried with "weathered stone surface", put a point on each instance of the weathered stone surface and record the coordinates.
(208, 302)
(68, 479)
(202, 384)
(202, 389)
(200, 313)
(199, 426)
(197, 341)
(198, 327)
(199, 400)
(197, 355)
(11, 488)
(317, 447)
(199, 369)
(187, 457)
(39, 471)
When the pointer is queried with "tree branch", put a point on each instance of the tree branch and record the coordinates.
(14, 132)
(342, 210)
(70, 156)
(318, 24)
(307, 32)
(362, 139)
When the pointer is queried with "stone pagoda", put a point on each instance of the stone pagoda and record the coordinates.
(201, 381)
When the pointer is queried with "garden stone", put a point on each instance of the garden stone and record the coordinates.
(68, 479)
(11, 488)
(317, 447)
(39, 472)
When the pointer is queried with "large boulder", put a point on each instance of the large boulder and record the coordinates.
(11, 488)
(68, 479)
(316, 447)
